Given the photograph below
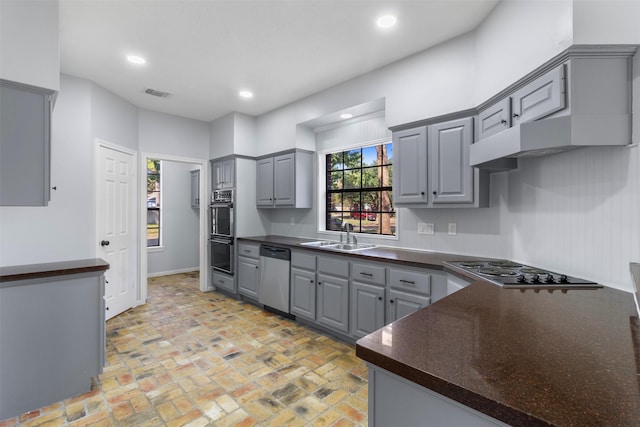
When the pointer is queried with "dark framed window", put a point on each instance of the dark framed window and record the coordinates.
(359, 190)
(153, 203)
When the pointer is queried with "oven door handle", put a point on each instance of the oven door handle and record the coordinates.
(224, 242)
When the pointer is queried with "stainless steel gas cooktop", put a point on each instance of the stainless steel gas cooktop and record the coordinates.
(510, 274)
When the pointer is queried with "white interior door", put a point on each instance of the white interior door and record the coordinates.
(116, 219)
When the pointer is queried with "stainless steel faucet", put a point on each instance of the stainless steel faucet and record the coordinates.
(345, 226)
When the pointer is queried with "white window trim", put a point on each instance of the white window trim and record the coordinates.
(322, 192)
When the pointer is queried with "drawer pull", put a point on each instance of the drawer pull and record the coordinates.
(247, 251)
(366, 274)
(408, 282)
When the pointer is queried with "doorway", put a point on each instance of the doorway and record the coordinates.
(181, 166)
(115, 224)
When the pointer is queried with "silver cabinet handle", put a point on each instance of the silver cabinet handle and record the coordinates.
(366, 274)
(408, 282)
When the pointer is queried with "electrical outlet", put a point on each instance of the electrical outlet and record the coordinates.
(292, 221)
(452, 229)
(424, 228)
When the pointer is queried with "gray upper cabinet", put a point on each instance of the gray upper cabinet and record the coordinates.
(195, 189)
(432, 168)
(495, 118)
(451, 175)
(410, 167)
(223, 173)
(25, 140)
(264, 184)
(541, 97)
(285, 180)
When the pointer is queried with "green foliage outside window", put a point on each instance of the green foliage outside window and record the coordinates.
(359, 190)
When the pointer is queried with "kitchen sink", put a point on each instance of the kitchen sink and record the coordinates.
(337, 246)
(320, 243)
(350, 247)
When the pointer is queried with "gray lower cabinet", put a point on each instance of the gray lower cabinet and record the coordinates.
(223, 281)
(332, 308)
(367, 308)
(25, 141)
(303, 293)
(52, 335)
(248, 276)
(395, 401)
(333, 302)
(404, 303)
(303, 284)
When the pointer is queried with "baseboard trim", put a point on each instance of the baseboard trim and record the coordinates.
(170, 272)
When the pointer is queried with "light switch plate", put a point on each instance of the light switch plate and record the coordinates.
(452, 229)
(425, 228)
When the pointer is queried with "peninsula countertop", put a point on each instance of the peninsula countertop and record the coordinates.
(524, 358)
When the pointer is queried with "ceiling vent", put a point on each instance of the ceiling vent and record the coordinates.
(158, 93)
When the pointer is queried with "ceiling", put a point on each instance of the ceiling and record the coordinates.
(204, 51)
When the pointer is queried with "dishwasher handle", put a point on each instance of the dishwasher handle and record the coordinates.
(275, 252)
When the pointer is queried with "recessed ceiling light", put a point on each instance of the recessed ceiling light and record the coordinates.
(246, 94)
(134, 59)
(346, 116)
(386, 21)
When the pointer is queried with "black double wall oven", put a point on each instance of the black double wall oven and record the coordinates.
(221, 231)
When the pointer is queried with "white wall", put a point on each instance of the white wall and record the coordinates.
(611, 21)
(29, 42)
(431, 83)
(574, 211)
(221, 136)
(517, 37)
(161, 133)
(180, 223)
(64, 230)
(113, 119)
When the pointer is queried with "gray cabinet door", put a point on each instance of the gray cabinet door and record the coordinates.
(284, 180)
(333, 302)
(303, 293)
(367, 308)
(543, 96)
(195, 189)
(223, 174)
(404, 303)
(264, 185)
(25, 139)
(248, 276)
(495, 118)
(451, 175)
(410, 168)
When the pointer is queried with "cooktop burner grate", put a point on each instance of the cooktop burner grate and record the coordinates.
(472, 264)
(501, 272)
(531, 270)
(504, 264)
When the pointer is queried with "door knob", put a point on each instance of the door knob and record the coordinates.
(104, 243)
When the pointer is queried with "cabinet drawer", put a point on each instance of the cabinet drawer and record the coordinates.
(333, 266)
(303, 260)
(251, 250)
(223, 282)
(368, 273)
(412, 281)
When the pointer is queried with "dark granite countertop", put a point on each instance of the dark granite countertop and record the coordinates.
(38, 271)
(524, 358)
(433, 260)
